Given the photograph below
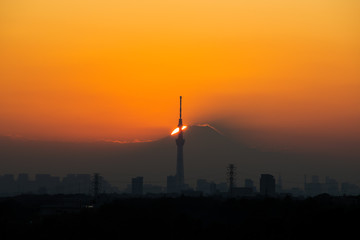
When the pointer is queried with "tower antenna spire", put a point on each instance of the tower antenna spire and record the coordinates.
(180, 120)
(180, 105)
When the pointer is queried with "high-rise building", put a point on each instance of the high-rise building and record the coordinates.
(171, 184)
(315, 179)
(203, 186)
(222, 187)
(7, 185)
(137, 185)
(69, 184)
(46, 184)
(83, 183)
(279, 185)
(314, 187)
(213, 188)
(42, 183)
(350, 189)
(250, 184)
(150, 188)
(331, 186)
(23, 183)
(267, 185)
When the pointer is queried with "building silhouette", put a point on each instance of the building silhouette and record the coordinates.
(150, 188)
(203, 186)
(242, 192)
(279, 187)
(206, 187)
(222, 187)
(137, 185)
(250, 184)
(171, 184)
(350, 189)
(82, 183)
(7, 184)
(23, 183)
(314, 187)
(48, 184)
(213, 188)
(267, 185)
(331, 186)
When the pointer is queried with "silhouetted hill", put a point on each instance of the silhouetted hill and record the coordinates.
(206, 155)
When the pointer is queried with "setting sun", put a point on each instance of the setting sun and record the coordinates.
(177, 130)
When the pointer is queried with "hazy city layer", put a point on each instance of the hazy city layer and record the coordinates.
(11, 185)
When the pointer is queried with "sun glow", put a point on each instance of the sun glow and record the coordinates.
(177, 130)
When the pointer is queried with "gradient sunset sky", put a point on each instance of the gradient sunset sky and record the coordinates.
(282, 71)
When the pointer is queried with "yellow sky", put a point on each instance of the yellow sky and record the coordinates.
(79, 69)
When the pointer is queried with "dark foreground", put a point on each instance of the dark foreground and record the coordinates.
(65, 217)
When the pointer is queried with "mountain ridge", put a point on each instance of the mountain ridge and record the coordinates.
(206, 155)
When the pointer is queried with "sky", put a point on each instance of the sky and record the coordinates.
(281, 73)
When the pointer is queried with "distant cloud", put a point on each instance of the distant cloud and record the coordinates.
(17, 137)
(126, 141)
(208, 125)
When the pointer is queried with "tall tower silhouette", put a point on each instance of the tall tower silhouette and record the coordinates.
(180, 161)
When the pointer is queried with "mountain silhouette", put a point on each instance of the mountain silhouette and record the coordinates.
(207, 153)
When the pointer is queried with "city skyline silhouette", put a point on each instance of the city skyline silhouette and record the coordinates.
(263, 144)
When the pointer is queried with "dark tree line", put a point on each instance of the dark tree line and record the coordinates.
(181, 218)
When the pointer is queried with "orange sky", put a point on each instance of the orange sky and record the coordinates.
(86, 69)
